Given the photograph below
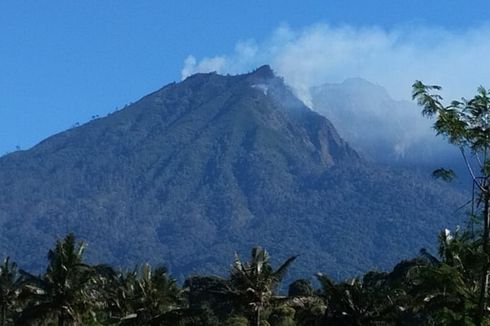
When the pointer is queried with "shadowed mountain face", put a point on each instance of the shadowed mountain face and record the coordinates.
(216, 164)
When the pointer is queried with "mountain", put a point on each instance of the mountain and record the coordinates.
(215, 164)
(380, 128)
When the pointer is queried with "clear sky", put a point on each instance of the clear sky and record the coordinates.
(63, 61)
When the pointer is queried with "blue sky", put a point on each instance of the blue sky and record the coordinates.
(62, 62)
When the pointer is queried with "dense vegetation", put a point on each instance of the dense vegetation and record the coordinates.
(465, 123)
(212, 165)
(425, 290)
(450, 288)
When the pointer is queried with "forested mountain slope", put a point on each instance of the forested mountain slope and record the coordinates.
(211, 165)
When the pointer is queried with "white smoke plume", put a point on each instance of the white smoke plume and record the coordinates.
(456, 60)
(392, 58)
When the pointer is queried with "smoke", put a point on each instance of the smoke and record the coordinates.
(393, 58)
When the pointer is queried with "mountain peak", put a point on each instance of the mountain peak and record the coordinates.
(205, 167)
(359, 86)
(264, 71)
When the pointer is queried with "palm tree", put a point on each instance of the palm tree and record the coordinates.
(146, 296)
(440, 295)
(9, 285)
(378, 298)
(346, 302)
(253, 283)
(118, 291)
(446, 290)
(64, 291)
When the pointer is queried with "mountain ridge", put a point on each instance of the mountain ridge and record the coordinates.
(199, 169)
(380, 128)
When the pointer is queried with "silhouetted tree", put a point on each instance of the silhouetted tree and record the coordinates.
(9, 285)
(253, 283)
(64, 291)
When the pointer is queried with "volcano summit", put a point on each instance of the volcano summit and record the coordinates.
(211, 165)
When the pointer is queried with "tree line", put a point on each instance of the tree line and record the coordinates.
(425, 290)
(449, 288)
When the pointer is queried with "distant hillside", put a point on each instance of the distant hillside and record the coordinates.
(380, 128)
(199, 169)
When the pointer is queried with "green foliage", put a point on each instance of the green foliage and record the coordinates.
(210, 296)
(205, 167)
(141, 296)
(64, 291)
(444, 174)
(282, 316)
(466, 124)
(426, 290)
(237, 321)
(300, 288)
(9, 286)
(253, 283)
